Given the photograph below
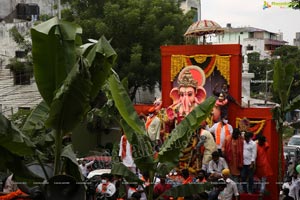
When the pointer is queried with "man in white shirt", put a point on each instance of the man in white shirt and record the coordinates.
(221, 130)
(288, 184)
(230, 189)
(84, 167)
(153, 126)
(10, 185)
(125, 153)
(106, 188)
(215, 166)
(249, 153)
(295, 188)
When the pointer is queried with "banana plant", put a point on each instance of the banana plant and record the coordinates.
(68, 75)
(283, 78)
(169, 153)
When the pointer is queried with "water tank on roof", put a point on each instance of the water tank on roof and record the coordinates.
(34, 9)
(21, 11)
(26, 11)
(20, 54)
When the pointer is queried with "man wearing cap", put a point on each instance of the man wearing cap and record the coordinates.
(230, 189)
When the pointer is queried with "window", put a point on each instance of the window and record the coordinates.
(249, 48)
(23, 108)
(22, 78)
(251, 35)
(196, 14)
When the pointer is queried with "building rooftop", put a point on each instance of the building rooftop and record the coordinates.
(245, 29)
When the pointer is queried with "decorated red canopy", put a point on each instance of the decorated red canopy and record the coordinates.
(202, 28)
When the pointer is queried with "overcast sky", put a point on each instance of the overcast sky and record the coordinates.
(242, 13)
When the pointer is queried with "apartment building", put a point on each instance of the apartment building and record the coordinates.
(252, 40)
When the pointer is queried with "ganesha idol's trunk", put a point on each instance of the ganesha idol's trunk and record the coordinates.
(187, 105)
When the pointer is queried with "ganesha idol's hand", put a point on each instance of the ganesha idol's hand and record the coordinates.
(170, 114)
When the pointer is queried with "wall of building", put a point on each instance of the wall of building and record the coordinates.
(6, 40)
(13, 97)
(257, 41)
(6, 7)
(297, 40)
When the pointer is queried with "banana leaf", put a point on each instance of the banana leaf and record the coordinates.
(17, 166)
(101, 58)
(125, 106)
(71, 164)
(12, 139)
(71, 100)
(295, 125)
(180, 136)
(14, 146)
(54, 54)
(67, 81)
(186, 190)
(142, 152)
(280, 87)
(133, 127)
(36, 119)
(294, 104)
(121, 170)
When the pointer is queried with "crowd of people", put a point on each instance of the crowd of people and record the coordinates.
(239, 166)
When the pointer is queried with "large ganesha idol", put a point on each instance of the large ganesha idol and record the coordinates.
(186, 97)
(188, 94)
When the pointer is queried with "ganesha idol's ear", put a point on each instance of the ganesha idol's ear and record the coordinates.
(200, 95)
(174, 94)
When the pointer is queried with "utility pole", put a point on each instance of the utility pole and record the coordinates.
(59, 9)
(266, 94)
(199, 11)
(199, 19)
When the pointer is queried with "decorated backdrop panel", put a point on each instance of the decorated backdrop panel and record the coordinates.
(254, 126)
(207, 62)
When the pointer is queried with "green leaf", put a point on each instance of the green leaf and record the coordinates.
(121, 170)
(133, 127)
(54, 54)
(102, 58)
(36, 119)
(142, 152)
(71, 164)
(294, 104)
(277, 116)
(180, 136)
(125, 106)
(186, 190)
(282, 88)
(72, 99)
(295, 125)
(13, 139)
(16, 165)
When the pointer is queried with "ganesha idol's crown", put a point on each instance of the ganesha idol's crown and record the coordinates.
(187, 80)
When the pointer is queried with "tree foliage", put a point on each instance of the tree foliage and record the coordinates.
(137, 28)
(283, 78)
(295, 4)
(290, 55)
(259, 68)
